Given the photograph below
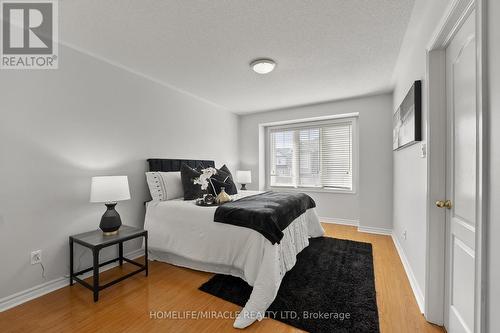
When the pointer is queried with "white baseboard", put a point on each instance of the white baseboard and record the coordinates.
(419, 296)
(374, 230)
(336, 220)
(50, 286)
(31, 293)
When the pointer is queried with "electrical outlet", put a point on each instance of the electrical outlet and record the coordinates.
(404, 235)
(36, 257)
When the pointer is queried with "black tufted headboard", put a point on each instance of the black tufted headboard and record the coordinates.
(166, 165)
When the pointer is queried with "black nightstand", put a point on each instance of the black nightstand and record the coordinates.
(95, 241)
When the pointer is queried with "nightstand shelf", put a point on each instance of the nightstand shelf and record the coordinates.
(95, 240)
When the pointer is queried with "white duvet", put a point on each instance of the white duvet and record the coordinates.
(184, 234)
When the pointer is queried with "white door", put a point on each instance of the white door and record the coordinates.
(461, 178)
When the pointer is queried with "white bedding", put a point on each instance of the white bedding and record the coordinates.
(184, 234)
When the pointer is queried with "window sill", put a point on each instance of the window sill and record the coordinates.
(311, 189)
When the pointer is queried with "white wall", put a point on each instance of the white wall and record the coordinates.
(410, 169)
(493, 43)
(60, 127)
(372, 204)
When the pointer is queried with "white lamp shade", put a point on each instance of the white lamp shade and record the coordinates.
(109, 189)
(244, 176)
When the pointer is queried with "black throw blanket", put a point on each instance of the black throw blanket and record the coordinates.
(268, 213)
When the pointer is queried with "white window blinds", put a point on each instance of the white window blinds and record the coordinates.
(312, 155)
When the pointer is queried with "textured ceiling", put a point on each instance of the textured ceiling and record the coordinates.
(325, 49)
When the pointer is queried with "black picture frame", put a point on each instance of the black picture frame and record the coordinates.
(407, 120)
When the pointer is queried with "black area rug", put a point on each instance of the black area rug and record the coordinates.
(332, 277)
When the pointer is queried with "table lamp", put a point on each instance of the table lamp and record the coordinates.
(110, 190)
(244, 177)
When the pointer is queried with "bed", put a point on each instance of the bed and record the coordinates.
(183, 234)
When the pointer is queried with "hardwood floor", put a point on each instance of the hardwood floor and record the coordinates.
(127, 306)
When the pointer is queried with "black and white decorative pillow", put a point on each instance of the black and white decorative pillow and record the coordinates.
(164, 185)
(191, 189)
(225, 177)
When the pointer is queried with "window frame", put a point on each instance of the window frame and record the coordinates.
(304, 124)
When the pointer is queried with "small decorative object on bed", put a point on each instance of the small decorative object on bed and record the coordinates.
(244, 177)
(208, 200)
(109, 190)
(222, 197)
(407, 121)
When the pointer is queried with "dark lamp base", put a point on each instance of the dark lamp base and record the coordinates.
(243, 187)
(110, 221)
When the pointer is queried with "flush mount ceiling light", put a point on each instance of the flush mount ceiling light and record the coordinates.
(263, 66)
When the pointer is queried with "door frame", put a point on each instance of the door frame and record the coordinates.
(451, 22)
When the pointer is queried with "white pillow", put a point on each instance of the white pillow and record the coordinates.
(165, 185)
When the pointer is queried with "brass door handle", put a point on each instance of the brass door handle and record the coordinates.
(444, 204)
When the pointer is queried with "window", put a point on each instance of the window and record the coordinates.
(312, 155)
